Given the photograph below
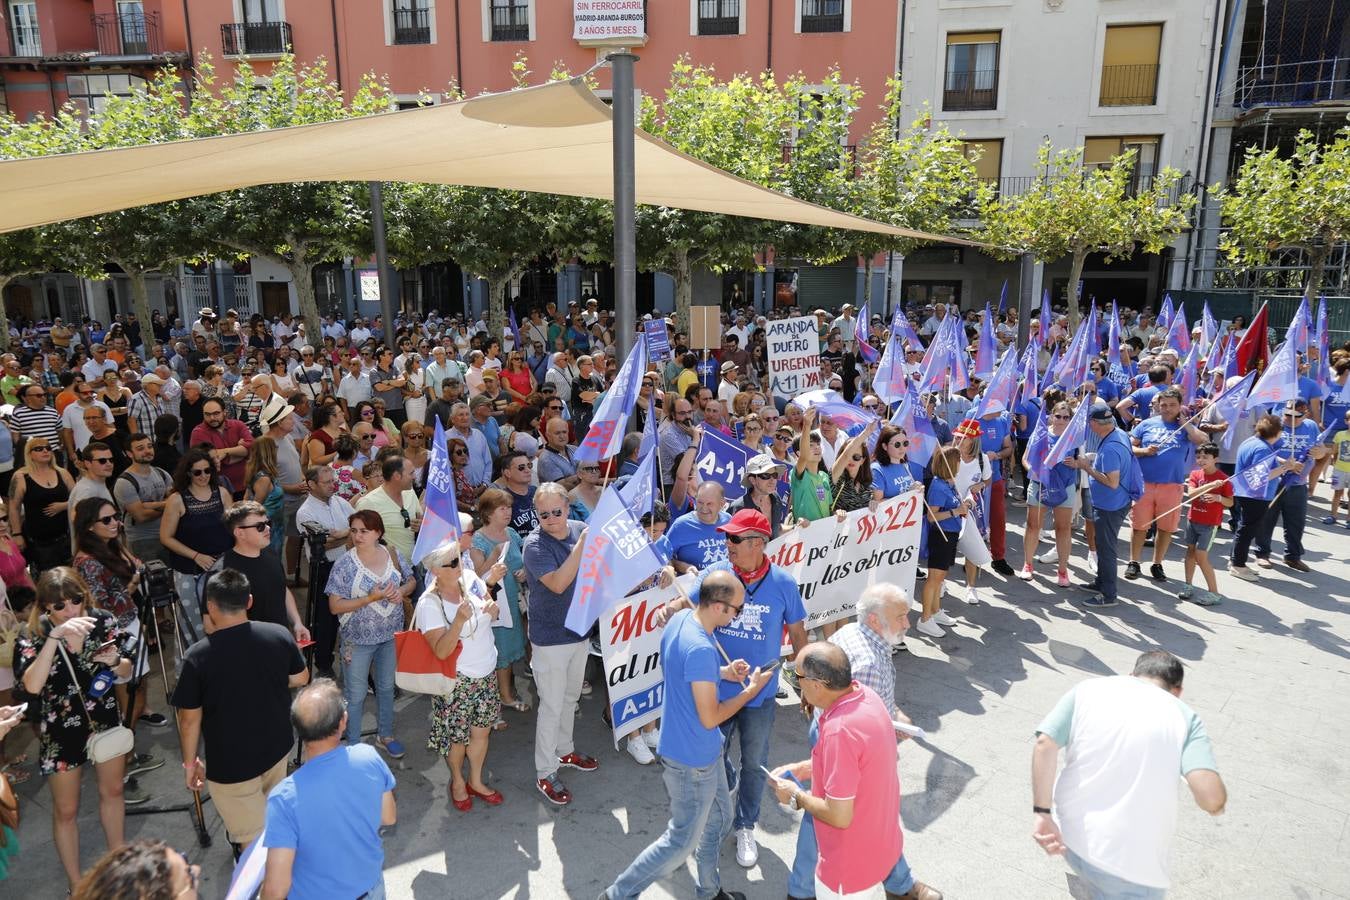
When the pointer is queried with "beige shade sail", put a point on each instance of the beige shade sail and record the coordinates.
(554, 139)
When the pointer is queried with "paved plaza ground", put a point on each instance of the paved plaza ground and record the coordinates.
(1268, 671)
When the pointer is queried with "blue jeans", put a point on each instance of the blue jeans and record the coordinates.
(1105, 886)
(802, 878)
(1108, 522)
(700, 811)
(375, 893)
(355, 672)
(755, 725)
(1291, 503)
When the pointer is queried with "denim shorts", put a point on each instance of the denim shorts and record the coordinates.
(1199, 536)
(1034, 496)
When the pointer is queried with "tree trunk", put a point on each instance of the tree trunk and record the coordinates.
(140, 304)
(497, 288)
(1317, 264)
(683, 274)
(4, 315)
(1075, 275)
(303, 279)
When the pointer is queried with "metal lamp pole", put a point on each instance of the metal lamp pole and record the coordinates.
(625, 203)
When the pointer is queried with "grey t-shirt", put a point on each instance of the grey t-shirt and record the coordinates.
(131, 488)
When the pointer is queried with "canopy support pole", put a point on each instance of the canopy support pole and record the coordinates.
(625, 202)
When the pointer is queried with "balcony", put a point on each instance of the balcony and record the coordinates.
(1013, 186)
(821, 16)
(412, 26)
(722, 25)
(255, 38)
(1129, 85)
(510, 23)
(1294, 84)
(127, 34)
(972, 89)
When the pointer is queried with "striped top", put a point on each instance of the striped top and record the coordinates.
(43, 422)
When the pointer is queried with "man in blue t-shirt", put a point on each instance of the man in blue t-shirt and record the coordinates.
(1163, 446)
(1298, 441)
(1110, 502)
(693, 673)
(324, 820)
(694, 539)
(1139, 403)
(772, 602)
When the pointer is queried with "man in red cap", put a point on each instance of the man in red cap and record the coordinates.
(772, 601)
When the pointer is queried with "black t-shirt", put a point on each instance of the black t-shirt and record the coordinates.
(267, 583)
(238, 677)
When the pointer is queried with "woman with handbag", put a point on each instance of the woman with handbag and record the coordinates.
(458, 611)
(974, 476)
(69, 658)
(366, 591)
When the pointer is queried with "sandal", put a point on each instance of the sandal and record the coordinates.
(518, 705)
(500, 724)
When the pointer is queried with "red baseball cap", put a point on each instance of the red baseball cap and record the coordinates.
(747, 520)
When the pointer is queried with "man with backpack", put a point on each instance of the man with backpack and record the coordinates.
(141, 491)
(1116, 482)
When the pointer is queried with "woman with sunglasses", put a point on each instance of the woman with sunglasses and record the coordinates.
(192, 528)
(321, 445)
(752, 432)
(457, 609)
(264, 486)
(517, 379)
(67, 644)
(1055, 492)
(38, 518)
(852, 474)
(366, 591)
(496, 542)
(413, 435)
(466, 494)
(282, 382)
(893, 473)
(144, 870)
(762, 474)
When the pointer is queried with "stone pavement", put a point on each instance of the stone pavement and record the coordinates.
(1268, 671)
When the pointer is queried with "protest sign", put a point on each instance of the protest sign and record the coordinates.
(722, 460)
(658, 339)
(794, 356)
(832, 561)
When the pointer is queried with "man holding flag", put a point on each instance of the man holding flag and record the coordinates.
(1298, 437)
(1165, 460)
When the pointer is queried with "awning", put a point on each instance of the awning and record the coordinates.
(555, 138)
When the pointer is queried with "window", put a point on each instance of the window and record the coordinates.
(23, 29)
(971, 81)
(1130, 65)
(90, 93)
(719, 17)
(412, 22)
(510, 20)
(259, 29)
(822, 15)
(987, 156)
(1099, 151)
(131, 27)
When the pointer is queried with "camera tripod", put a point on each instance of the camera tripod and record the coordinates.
(146, 605)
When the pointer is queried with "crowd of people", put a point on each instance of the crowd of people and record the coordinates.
(280, 478)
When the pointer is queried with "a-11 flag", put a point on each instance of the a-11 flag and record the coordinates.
(1231, 405)
(1279, 382)
(1300, 329)
(1113, 337)
(889, 381)
(1071, 439)
(1165, 313)
(1190, 376)
(1178, 332)
(1045, 317)
(617, 555)
(1209, 329)
(1320, 368)
(861, 324)
(605, 435)
(913, 419)
(440, 513)
(1002, 387)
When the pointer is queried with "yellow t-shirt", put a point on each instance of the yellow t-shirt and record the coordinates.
(687, 377)
(1340, 443)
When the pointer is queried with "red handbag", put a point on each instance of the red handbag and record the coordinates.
(418, 668)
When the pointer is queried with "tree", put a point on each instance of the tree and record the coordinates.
(1074, 211)
(22, 253)
(1300, 201)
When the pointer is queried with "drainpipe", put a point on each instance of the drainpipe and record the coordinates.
(459, 57)
(1206, 158)
(187, 26)
(768, 57)
(337, 49)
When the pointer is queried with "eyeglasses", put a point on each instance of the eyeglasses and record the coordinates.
(591, 470)
(856, 457)
(523, 467)
(734, 607)
(739, 539)
(200, 472)
(551, 513)
(259, 527)
(367, 437)
(869, 406)
(765, 476)
(459, 451)
(898, 444)
(1296, 415)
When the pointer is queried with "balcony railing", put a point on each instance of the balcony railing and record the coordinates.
(412, 26)
(975, 89)
(1294, 84)
(822, 15)
(127, 34)
(24, 40)
(1129, 85)
(510, 23)
(722, 25)
(1013, 186)
(255, 38)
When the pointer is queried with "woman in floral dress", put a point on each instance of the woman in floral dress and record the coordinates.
(64, 618)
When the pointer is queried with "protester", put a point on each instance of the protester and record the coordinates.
(1162, 454)
(495, 542)
(328, 845)
(695, 539)
(1257, 480)
(192, 527)
(1107, 469)
(1055, 490)
(250, 529)
(396, 503)
(229, 439)
(1210, 492)
(762, 472)
(946, 510)
(38, 503)
(143, 870)
(1298, 437)
(1111, 812)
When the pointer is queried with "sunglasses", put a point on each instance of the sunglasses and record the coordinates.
(42, 449)
(103, 461)
(592, 470)
(898, 444)
(856, 457)
(765, 476)
(415, 437)
(739, 539)
(367, 413)
(407, 519)
(451, 564)
(551, 514)
(869, 406)
(259, 527)
(1059, 416)
(61, 604)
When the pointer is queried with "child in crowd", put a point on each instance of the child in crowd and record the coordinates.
(1210, 492)
(946, 511)
(1339, 442)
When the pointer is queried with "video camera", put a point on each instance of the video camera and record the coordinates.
(157, 582)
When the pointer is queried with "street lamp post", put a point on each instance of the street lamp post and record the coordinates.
(625, 204)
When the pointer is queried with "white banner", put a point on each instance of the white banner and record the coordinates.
(794, 356)
(832, 561)
(601, 20)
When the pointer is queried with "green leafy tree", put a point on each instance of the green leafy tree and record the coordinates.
(1298, 201)
(1075, 211)
(26, 252)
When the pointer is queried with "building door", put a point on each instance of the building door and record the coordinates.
(258, 11)
(274, 297)
(131, 27)
(24, 28)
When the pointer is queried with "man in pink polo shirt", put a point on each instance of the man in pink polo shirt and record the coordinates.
(855, 791)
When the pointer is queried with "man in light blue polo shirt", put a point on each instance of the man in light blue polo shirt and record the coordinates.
(1110, 501)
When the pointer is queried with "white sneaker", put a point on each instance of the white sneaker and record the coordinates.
(930, 628)
(1243, 572)
(747, 851)
(1049, 556)
(653, 738)
(637, 748)
(942, 618)
(1092, 560)
(973, 597)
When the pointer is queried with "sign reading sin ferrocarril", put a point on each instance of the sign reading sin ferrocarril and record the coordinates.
(600, 20)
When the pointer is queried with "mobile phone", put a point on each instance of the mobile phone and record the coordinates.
(787, 776)
(105, 646)
(771, 666)
(20, 710)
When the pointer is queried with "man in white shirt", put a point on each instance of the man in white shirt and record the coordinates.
(333, 328)
(74, 432)
(561, 373)
(324, 510)
(359, 333)
(847, 323)
(934, 322)
(94, 368)
(473, 376)
(282, 331)
(1129, 738)
(354, 387)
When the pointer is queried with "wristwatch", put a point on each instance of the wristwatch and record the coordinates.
(792, 801)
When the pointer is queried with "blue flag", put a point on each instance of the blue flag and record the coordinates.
(1165, 313)
(986, 347)
(617, 556)
(863, 323)
(1003, 298)
(649, 436)
(1071, 439)
(611, 420)
(1073, 368)
(1051, 368)
(944, 364)
(1179, 333)
(1209, 329)
(1030, 386)
(913, 419)
(1113, 338)
(900, 325)
(1002, 386)
(1300, 329)
(440, 513)
(1190, 375)
(643, 490)
(1279, 382)
(1321, 367)
(1038, 447)
(1252, 481)
(723, 460)
(889, 382)
(1045, 316)
(1231, 405)
(516, 343)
